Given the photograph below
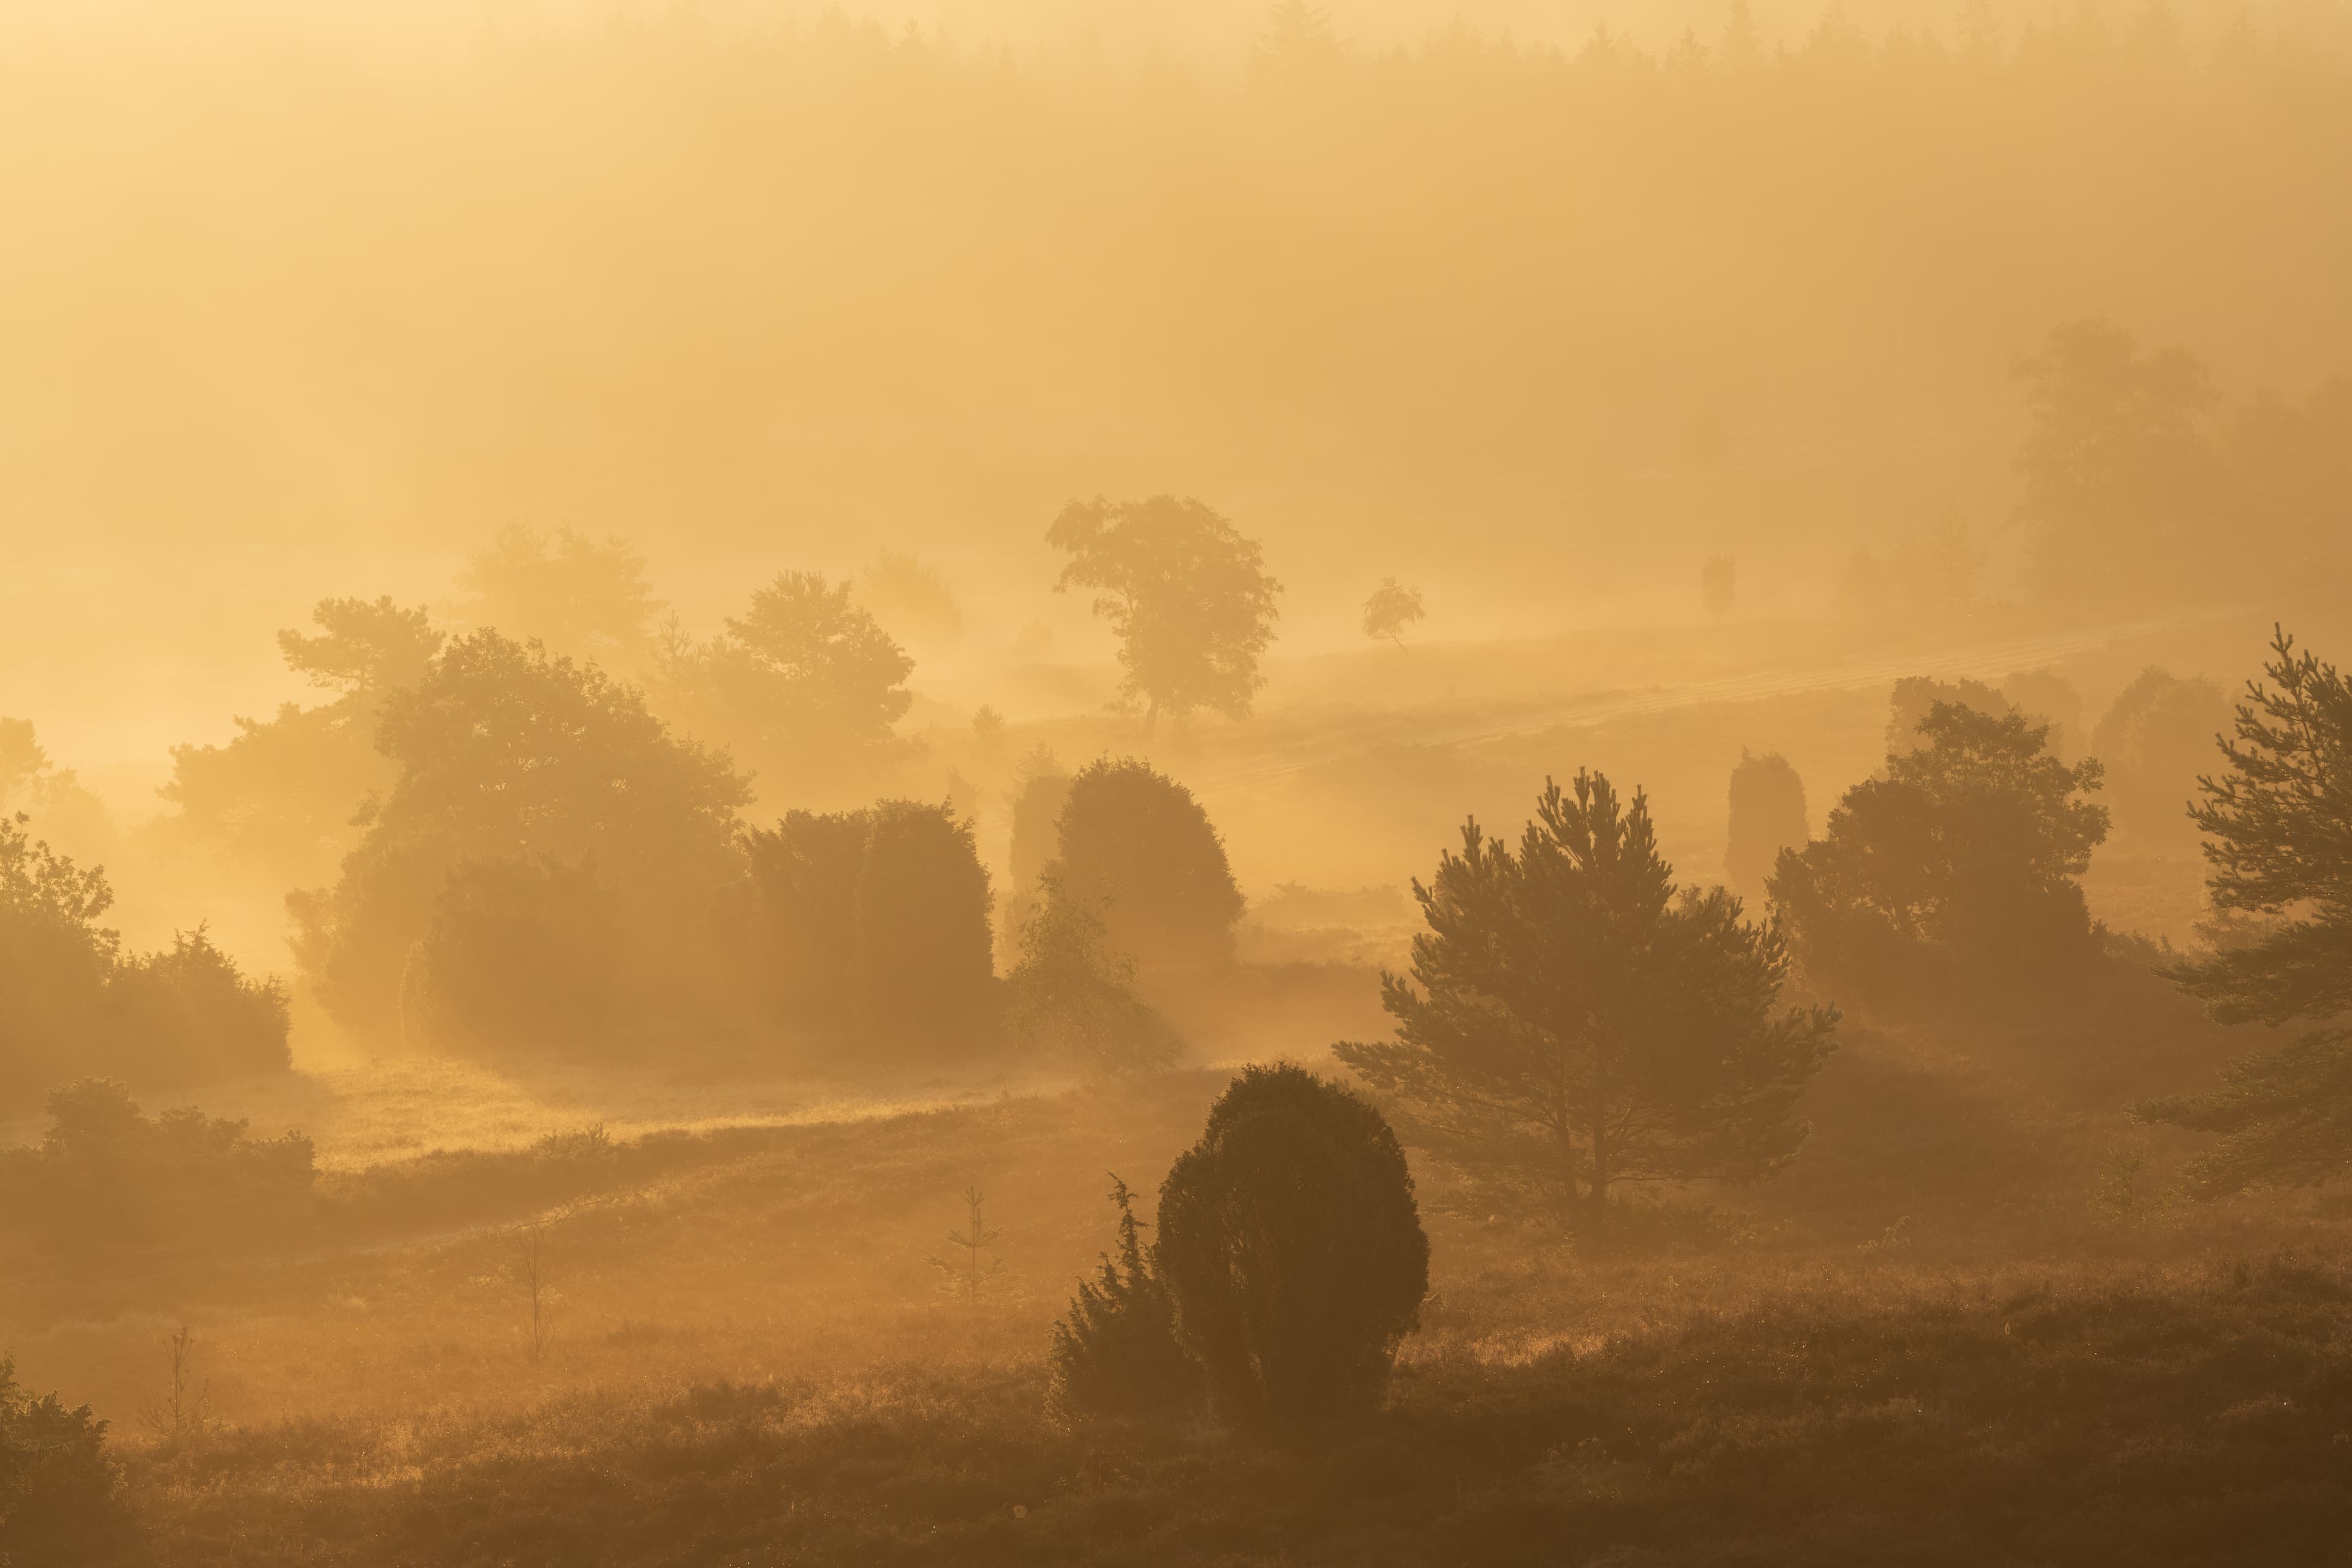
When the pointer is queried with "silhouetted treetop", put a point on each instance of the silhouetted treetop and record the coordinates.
(518, 747)
(22, 761)
(580, 596)
(804, 685)
(912, 596)
(361, 646)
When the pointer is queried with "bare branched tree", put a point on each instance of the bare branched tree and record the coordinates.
(530, 1273)
(181, 1410)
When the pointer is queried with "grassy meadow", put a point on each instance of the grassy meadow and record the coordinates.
(1939, 1339)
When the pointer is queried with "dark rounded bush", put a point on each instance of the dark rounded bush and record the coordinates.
(1292, 1244)
(1134, 845)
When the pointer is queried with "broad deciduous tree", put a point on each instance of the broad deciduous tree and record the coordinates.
(1964, 853)
(1189, 596)
(505, 750)
(1391, 607)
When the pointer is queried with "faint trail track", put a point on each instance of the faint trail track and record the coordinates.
(1979, 659)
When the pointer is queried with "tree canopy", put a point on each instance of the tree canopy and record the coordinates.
(1188, 594)
(277, 800)
(588, 598)
(1573, 1024)
(506, 749)
(361, 646)
(1391, 607)
(72, 1001)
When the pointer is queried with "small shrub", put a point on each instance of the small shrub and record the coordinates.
(2125, 1194)
(1768, 815)
(870, 924)
(1074, 1000)
(1292, 1247)
(190, 1013)
(971, 1264)
(183, 1408)
(59, 1498)
(1114, 1353)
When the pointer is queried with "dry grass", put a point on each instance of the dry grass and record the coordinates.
(1927, 1348)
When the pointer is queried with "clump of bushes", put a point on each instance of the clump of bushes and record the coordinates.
(72, 1001)
(1291, 1263)
(870, 926)
(105, 1176)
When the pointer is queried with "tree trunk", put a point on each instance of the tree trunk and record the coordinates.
(1596, 1197)
(1151, 721)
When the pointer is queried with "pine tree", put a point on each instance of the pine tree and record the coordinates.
(1571, 1023)
(2278, 826)
(1114, 1353)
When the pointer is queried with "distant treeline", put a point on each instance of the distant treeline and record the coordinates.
(799, 281)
